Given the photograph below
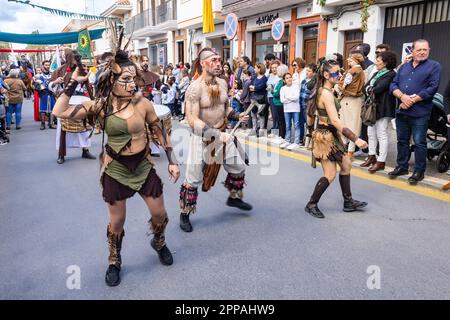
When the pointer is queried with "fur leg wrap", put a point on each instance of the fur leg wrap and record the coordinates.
(235, 184)
(158, 230)
(188, 199)
(114, 245)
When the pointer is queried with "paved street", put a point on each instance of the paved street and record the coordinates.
(53, 216)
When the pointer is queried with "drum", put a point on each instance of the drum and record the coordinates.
(164, 114)
(77, 99)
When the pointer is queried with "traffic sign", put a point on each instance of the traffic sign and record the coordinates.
(230, 26)
(277, 48)
(278, 29)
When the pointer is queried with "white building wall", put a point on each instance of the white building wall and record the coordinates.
(170, 48)
(352, 21)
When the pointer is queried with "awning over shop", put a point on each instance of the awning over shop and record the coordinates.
(48, 38)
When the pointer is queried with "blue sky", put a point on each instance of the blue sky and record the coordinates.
(20, 18)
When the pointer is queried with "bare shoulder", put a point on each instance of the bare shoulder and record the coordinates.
(222, 82)
(193, 92)
(145, 104)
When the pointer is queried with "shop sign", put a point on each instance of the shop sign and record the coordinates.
(266, 19)
(161, 56)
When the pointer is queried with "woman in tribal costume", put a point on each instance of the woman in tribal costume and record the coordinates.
(326, 138)
(126, 165)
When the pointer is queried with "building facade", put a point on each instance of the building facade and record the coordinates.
(170, 31)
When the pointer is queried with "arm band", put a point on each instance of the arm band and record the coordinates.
(346, 132)
(70, 88)
(171, 156)
(208, 132)
(233, 115)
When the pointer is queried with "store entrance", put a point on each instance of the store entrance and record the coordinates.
(263, 43)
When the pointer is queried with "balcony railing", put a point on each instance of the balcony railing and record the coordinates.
(142, 20)
(166, 11)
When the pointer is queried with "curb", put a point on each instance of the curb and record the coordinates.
(429, 182)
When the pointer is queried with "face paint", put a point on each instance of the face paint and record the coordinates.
(126, 84)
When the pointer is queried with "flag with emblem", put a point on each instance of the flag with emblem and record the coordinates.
(84, 45)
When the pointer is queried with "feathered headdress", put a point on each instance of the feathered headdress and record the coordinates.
(112, 67)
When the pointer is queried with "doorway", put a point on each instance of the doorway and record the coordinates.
(310, 35)
(353, 38)
(180, 51)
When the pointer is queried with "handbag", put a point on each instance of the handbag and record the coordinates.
(369, 110)
(260, 98)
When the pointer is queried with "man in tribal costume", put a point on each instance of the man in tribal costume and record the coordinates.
(72, 133)
(207, 112)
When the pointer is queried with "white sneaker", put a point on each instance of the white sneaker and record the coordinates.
(292, 146)
(284, 144)
(276, 139)
(271, 135)
(360, 153)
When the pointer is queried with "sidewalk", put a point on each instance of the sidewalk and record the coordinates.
(433, 178)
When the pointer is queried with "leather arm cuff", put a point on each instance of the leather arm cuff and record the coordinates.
(171, 156)
(208, 132)
(69, 90)
(346, 132)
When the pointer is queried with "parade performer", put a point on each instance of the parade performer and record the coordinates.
(46, 98)
(126, 165)
(71, 133)
(207, 112)
(327, 146)
(148, 78)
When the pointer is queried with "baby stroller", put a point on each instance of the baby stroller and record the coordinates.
(437, 140)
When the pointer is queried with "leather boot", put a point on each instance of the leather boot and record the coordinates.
(350, 204)
(377, 167)
(50, 122)
(87, 155)
(371, 159)
(112, 277)
(159, 241)
(42, 121)
(235, 185)
(311, 206)
(188, 205)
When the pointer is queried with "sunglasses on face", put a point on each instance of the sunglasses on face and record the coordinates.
(377, 52)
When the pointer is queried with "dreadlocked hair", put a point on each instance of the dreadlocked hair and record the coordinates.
(325, 66)
(107, 78)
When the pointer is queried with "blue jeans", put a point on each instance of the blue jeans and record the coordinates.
(14, 108)
(290, 117)
(418, 127)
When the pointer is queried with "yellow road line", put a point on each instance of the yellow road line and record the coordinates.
(399, 184)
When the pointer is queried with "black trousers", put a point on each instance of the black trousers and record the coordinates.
(281, 122)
